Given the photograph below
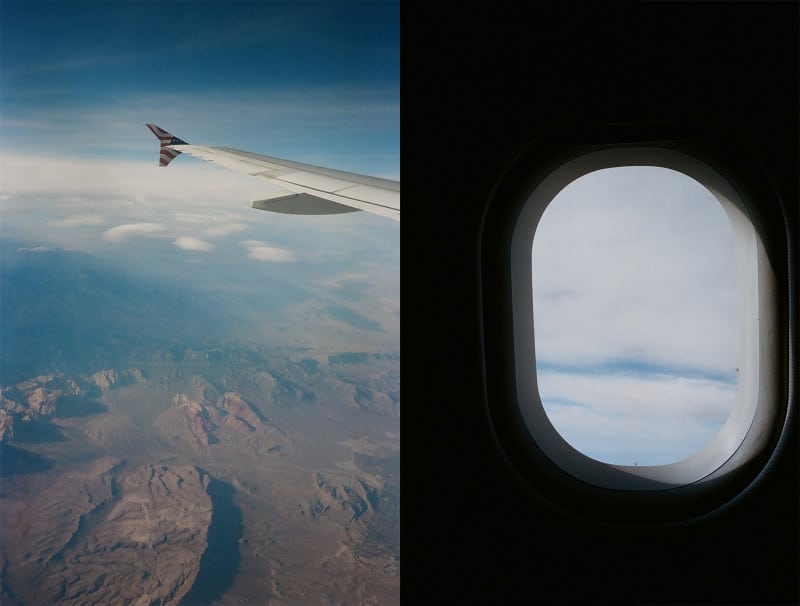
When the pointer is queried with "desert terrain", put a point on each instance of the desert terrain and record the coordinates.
(205, 475)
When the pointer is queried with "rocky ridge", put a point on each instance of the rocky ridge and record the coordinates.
(116, 535)
(56, 395)
(229, 419)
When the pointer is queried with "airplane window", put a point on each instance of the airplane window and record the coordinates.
(635, 315)
(645, 321)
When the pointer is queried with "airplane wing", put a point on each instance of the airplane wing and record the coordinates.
(312, 190)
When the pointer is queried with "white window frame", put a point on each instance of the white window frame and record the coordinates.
(757, 407)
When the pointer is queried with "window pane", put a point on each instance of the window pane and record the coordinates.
(634, 290)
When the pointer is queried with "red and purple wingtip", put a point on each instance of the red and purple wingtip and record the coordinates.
(166, 153)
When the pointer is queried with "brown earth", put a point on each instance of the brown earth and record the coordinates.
(230, 477)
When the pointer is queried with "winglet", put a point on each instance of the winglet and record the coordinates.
(166, 153)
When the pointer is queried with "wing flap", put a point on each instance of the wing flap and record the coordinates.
(302, 204)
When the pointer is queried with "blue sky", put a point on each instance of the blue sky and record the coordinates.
(315, 82)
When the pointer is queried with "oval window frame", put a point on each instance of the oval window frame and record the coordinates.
(756, 407)
(592, 489)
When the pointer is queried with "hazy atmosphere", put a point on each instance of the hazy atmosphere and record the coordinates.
(207, 394)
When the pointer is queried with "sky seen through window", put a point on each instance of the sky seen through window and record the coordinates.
(635, 322)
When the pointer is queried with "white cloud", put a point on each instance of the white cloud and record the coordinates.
(628, 269)
(649, 396)
(35, 249)
(130, 198)
(189, 243)
(656, 419)
(262, 251)
(123, 232)
(81, 196)
(80, 221)
(195, 186)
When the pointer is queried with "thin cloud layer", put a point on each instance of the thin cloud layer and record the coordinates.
(35, 249)
(262, 251)
(80, 221)
(81, 196)
(189, 243)
(225, 229)
(649, 420)
(159, 221)
(121, 233)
